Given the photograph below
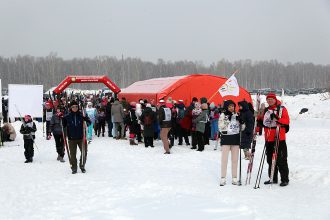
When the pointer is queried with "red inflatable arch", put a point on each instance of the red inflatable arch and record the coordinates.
(86, 79)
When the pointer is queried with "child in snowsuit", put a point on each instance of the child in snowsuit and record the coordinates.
(28, 130)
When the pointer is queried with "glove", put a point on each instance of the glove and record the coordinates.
(273, 116)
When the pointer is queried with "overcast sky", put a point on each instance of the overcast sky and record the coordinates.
(196, 30)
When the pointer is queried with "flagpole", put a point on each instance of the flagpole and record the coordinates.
(236, 71)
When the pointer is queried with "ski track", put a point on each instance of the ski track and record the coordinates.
(133, 182)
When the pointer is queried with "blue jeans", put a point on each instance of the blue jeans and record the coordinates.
(214, 129)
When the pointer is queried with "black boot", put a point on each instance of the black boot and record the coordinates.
(268, 182)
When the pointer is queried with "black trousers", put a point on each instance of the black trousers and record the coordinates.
(59, 142)
(182, 134)
(73, 154)
(101, 126)
(281, 162)
(207, 133)
(171, 137)
(28, 149)
(194, 138)
(48, 131)
(200, 140)
(110, 127)
(148, 141)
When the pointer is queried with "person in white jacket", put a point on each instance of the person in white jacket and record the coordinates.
(229, 127)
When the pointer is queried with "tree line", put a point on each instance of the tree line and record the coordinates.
(51, 70)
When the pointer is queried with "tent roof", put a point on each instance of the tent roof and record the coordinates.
(155, 85)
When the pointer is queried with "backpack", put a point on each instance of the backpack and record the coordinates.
(180, 113)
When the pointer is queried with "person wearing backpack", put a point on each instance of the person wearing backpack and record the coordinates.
(165, 123)
(272, 119)
(148, 118)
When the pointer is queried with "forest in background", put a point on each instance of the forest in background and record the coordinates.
(51, 70)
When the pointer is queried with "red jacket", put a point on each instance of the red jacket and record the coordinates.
(186, 121)
(270, 131)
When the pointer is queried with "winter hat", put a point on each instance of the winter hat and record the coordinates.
(148, 105)
(180, 101)
(212, 105)
(27, 118)
(161, 101)
(194, 99)
(132, 104)
(271, 95)
(203, 100)
(73, 102)
(227, 103)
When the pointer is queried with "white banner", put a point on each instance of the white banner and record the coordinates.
(230, 87)
(25, 100)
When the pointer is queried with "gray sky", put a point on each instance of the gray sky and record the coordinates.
(200, 30)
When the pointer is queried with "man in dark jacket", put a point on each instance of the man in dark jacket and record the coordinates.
(73, 123)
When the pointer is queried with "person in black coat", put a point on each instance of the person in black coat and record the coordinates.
(74, 129)
(247, 122)
(132, 122)
(148, 119)
(56, 128)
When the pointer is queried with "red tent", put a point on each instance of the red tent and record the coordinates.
(182, 87)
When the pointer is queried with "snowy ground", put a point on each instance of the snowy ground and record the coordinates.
(126, 182)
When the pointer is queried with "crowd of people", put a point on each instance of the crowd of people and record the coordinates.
(75, 121)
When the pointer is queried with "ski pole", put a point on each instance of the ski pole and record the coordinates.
(260, 168)
(240, 167)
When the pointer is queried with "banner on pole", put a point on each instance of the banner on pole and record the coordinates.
(230, 87)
